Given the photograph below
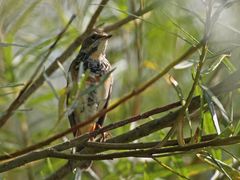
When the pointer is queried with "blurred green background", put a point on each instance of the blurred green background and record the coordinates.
(138, 50)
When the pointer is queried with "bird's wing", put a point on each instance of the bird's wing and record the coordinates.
(108, 91)
(72, 88)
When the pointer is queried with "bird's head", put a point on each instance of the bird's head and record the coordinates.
(95, 44)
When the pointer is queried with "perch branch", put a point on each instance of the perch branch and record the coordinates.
(139, 90)
(146, 153)
(229, 84)
(137, 133)
(50, 152)
(104, 129)
(232, 83)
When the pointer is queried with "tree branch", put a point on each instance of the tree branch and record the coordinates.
(28, 90)
(129, 146)
(227, 85)
(184, 110)
(232, 83)
(137, 133)
(96, 15)
(139, 90)
(102, 130)
(63, 57)
(50, 152)
(132, 17)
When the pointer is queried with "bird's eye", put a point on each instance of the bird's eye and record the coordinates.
(94, 37)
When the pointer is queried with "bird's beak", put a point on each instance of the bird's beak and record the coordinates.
(107, 36)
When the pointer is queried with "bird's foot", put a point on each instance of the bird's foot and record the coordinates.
(104, 135)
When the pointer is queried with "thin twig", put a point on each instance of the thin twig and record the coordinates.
(30, 87)
(24, 93)
(61, 59)
(132, 17)
(149, 152)
(135, 92)
(169, 168)
(137, 133)
(190, 96)
(129, 146)
(229, 84)
(102, 130)
(96, 15)
(139, 90)
(180, 118)
(37, 155)
(220, 88)
(50, 50)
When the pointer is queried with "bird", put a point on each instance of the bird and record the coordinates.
(91, 64)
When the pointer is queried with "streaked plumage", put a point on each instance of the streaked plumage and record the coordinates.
(95, 66)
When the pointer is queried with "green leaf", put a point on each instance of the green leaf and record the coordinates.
(212, 110)
(208, 124)
(230, 66)
(237, 128)
(11, 44)
(227, 132)
(11, 85)
(145, 176)
(184, 64)
(181, 98)
(47, 79)
(61, 104)
(49, 163)
(217, 153)
(215, 64)
(171, 169)
(217, 103)
(229, 171)
(233, 156)
(8, 58)
(177, 89)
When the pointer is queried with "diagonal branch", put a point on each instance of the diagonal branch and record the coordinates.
(129, 146)
(154, 125)
(128, 96)
(132, 16)
(28, 90)
(183, 113)
(102, 130)
(220, 88)
(141, 131)
(50, 50)
(135, 92)
(50, 152)
(148, 152)
(63, 57)
(96, 15)
(21, 96)
(137, 133)
(137, 153)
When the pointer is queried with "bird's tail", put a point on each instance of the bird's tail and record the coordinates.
(78, 174)
(85, 164)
